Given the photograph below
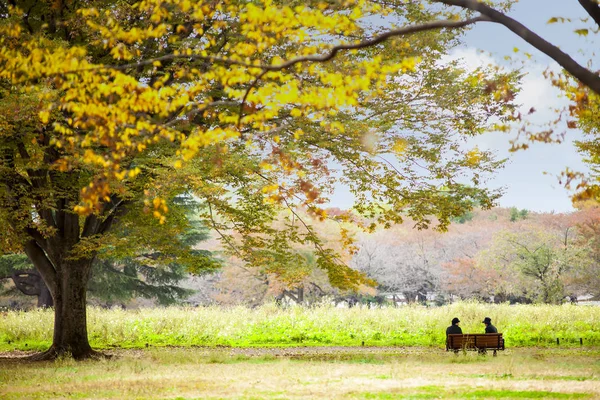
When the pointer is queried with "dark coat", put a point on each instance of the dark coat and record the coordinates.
(490, 329)
(453, 329)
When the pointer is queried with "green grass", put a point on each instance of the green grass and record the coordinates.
(437, 392)
(522, 325)
(404, 373)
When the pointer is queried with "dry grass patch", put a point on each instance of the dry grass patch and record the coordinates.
(230, 373)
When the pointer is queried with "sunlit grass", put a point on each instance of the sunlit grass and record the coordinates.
(401, 373)
(522, 325)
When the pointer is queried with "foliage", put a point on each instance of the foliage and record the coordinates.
(466, 217)
(516, 215)
(110, 110)
(418, 264)
(588, 227)
(105, 116)
(522, 325)
(400, 263)
(119, 277)
(121, 274)
(535, 263)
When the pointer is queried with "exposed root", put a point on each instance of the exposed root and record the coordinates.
(47, 355)
(54, 353)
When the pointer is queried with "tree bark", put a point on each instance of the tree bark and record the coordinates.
(70, 317)
(70, 322)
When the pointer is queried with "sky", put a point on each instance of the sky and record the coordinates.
(526, 185)
(529, 179)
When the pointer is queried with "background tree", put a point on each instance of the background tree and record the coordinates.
(402, 264)
(142, 273)
(543, 262)
(588, 228)
(516, 215)
(467, 279)
(25, 278)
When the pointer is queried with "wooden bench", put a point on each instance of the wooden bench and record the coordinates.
(475, 341)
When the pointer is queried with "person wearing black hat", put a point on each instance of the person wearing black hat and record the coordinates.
(489, 328)
(454, 328)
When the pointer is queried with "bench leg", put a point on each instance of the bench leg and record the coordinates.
(495, 353)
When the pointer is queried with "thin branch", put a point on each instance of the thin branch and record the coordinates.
(201, 107)
(298, 60)
(360, 45)
(309, 229)
(116, 211)
(243, 102)
(235, 249)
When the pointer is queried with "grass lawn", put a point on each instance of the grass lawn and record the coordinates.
(269, 325)
(328, 373)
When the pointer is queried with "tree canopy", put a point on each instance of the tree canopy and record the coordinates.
(110, 110)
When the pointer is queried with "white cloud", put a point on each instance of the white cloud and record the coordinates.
(526, 184)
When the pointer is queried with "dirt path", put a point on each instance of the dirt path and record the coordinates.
(276, 352)
(310, 353)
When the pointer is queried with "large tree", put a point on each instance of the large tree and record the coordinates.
(109, 110)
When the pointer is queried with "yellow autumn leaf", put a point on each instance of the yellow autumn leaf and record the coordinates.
(400, 146)
(44, 116)
(473, 157)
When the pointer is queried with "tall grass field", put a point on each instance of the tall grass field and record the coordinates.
(522, 325)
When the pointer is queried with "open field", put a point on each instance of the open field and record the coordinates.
(522, 325)
(331, 373)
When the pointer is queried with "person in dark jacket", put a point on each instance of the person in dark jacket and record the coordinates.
(489, 328)
(454, 328)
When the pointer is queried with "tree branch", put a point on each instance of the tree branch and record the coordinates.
(93, 225)
(593, 9)
(28, 282)
(298, 60)
(39, 258)
(114, 213)
(225, 238)
(584, 75)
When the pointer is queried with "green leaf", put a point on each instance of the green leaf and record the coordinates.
(582, 32)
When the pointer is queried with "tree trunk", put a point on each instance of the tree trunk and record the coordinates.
(66, 272)
(70, 321)
(45, 297)
(300, 295)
